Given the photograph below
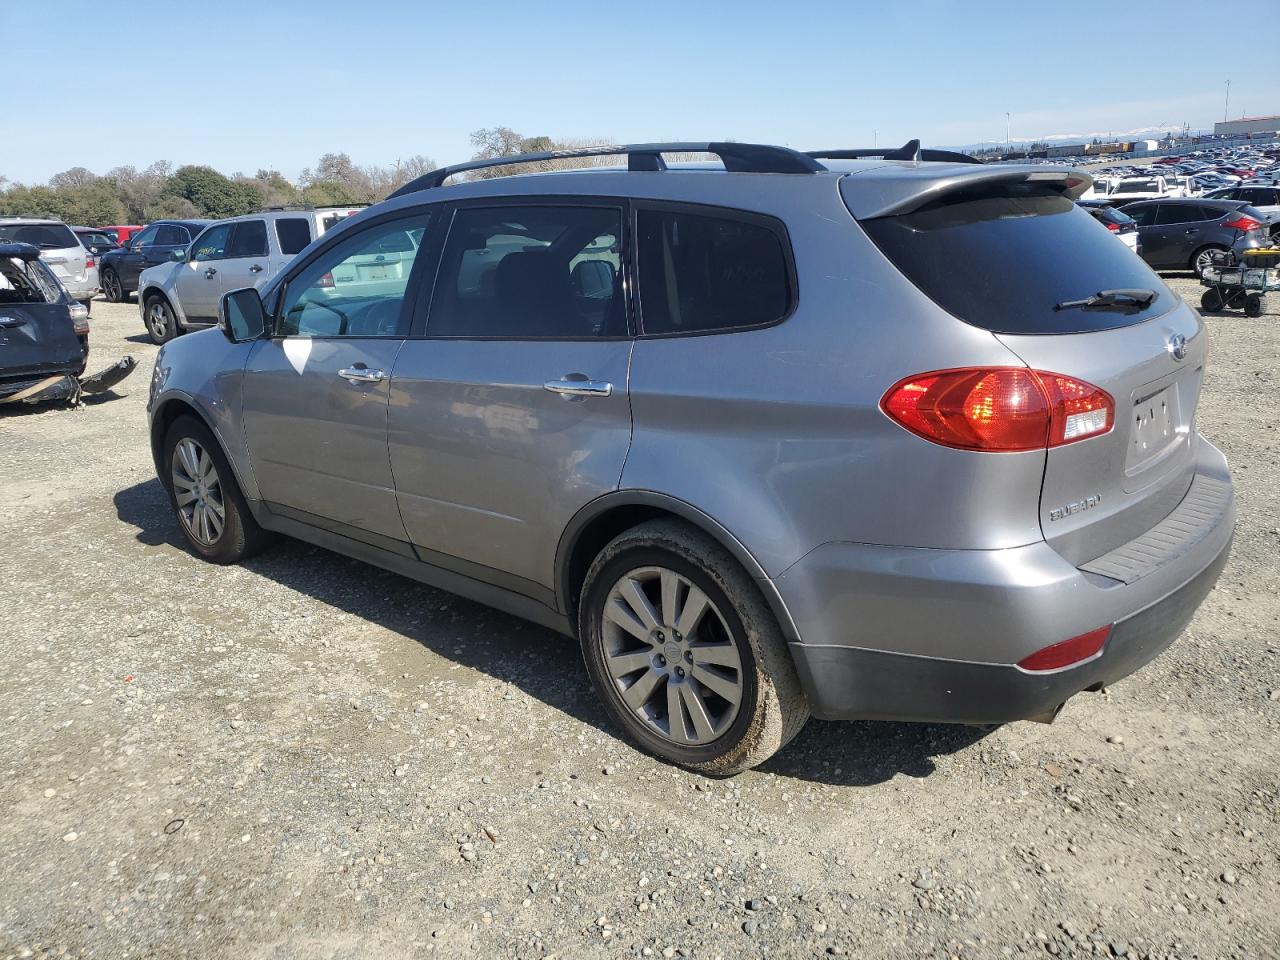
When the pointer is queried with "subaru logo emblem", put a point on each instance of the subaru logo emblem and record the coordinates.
(1178, 346)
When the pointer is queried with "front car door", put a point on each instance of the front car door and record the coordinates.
(199, 283)
(512, 412)
(130, 261)
(315, 393)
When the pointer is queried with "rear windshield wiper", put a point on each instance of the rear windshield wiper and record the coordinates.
(1111, 298)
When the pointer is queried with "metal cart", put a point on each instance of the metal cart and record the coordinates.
(1234, 285)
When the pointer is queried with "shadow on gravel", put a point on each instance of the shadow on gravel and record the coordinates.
(516, 652)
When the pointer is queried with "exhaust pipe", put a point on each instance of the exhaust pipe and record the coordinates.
(1048, 716)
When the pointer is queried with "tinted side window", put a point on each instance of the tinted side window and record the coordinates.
(1177, 213)
(1142, 216)
(293, 233)
(530, 272)
(171, 235)
(146, 238)
(248, 239)
(212, 244)
(701, 272)
(356, 287)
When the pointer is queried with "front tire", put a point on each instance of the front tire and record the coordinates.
(1253, 305)
(205, 497)
(685, 653)
(1211, 300)
(162, 325)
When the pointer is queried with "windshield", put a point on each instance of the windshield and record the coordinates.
(46, 236)
(992, 256)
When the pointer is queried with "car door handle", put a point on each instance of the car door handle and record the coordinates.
(8, 323)
(210, 273)
(256, 268)
(361, 374)
(579, 386)
(1193, 230)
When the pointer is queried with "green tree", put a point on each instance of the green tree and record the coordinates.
(211, 193)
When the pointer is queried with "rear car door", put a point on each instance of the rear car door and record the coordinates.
(198, 283)
(247, 261)
(512, 412)
(315, 393)
(1180, 230)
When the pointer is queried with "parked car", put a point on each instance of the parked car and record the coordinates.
(124, 232)
(1121, 224)
(74, 266)
(95, 239)
(1138, 188)
(121, 268)
(244, 251)
(664, 411)
(1185, 234)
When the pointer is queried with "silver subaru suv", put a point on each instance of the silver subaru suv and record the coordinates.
(850, 434)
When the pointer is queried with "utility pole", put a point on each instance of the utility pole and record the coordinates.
(1007, 123)
(1226, 104)
(875, 138)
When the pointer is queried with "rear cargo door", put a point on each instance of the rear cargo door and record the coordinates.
(1011, 258)
(37, 339)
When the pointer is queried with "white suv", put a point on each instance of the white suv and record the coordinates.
(227, 255)
(60, 249)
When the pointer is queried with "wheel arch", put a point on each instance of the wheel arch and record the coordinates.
(593, 526)
(156, 290)
(170, 408)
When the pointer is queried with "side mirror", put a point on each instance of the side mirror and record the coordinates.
(179, 255)
(241, 315)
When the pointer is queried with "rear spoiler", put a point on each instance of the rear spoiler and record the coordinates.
(19, 251)
(890, 191)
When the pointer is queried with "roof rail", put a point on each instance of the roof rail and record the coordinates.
(736, 157)
(908, 151)
(292, 207)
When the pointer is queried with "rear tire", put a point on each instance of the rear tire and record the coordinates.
(206, 500)
(112, 288)
(729, 674)
(1202, 259)
(1253, 305)
(1211, 301)
(162, 325)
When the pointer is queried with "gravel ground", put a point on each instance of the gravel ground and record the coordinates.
(308, 757)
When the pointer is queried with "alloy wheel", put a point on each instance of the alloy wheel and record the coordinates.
(197, 492)
(158, 320)
(1204, 260)
(111, 283)
(672, 658)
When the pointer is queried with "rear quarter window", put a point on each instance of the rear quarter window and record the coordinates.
(993, 256)
(700, 272)
(293, 234)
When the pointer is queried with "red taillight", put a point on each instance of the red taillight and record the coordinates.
(999, 409)
(1242, 223)
(89, 263)
(1113, 227)
(1067, 653)
(326, 280)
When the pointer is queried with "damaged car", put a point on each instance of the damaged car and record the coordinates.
(44, 335)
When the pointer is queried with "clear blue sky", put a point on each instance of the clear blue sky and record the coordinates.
(276, 83)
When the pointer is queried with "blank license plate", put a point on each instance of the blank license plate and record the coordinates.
(1153, 426)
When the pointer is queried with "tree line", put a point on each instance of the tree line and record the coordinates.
(129, 195)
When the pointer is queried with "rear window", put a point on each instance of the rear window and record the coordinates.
(46, 236)
(248, 239)
(1138, 186)
(997, 257)
(294, 233)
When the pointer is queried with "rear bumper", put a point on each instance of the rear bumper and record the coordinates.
(935, 635)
